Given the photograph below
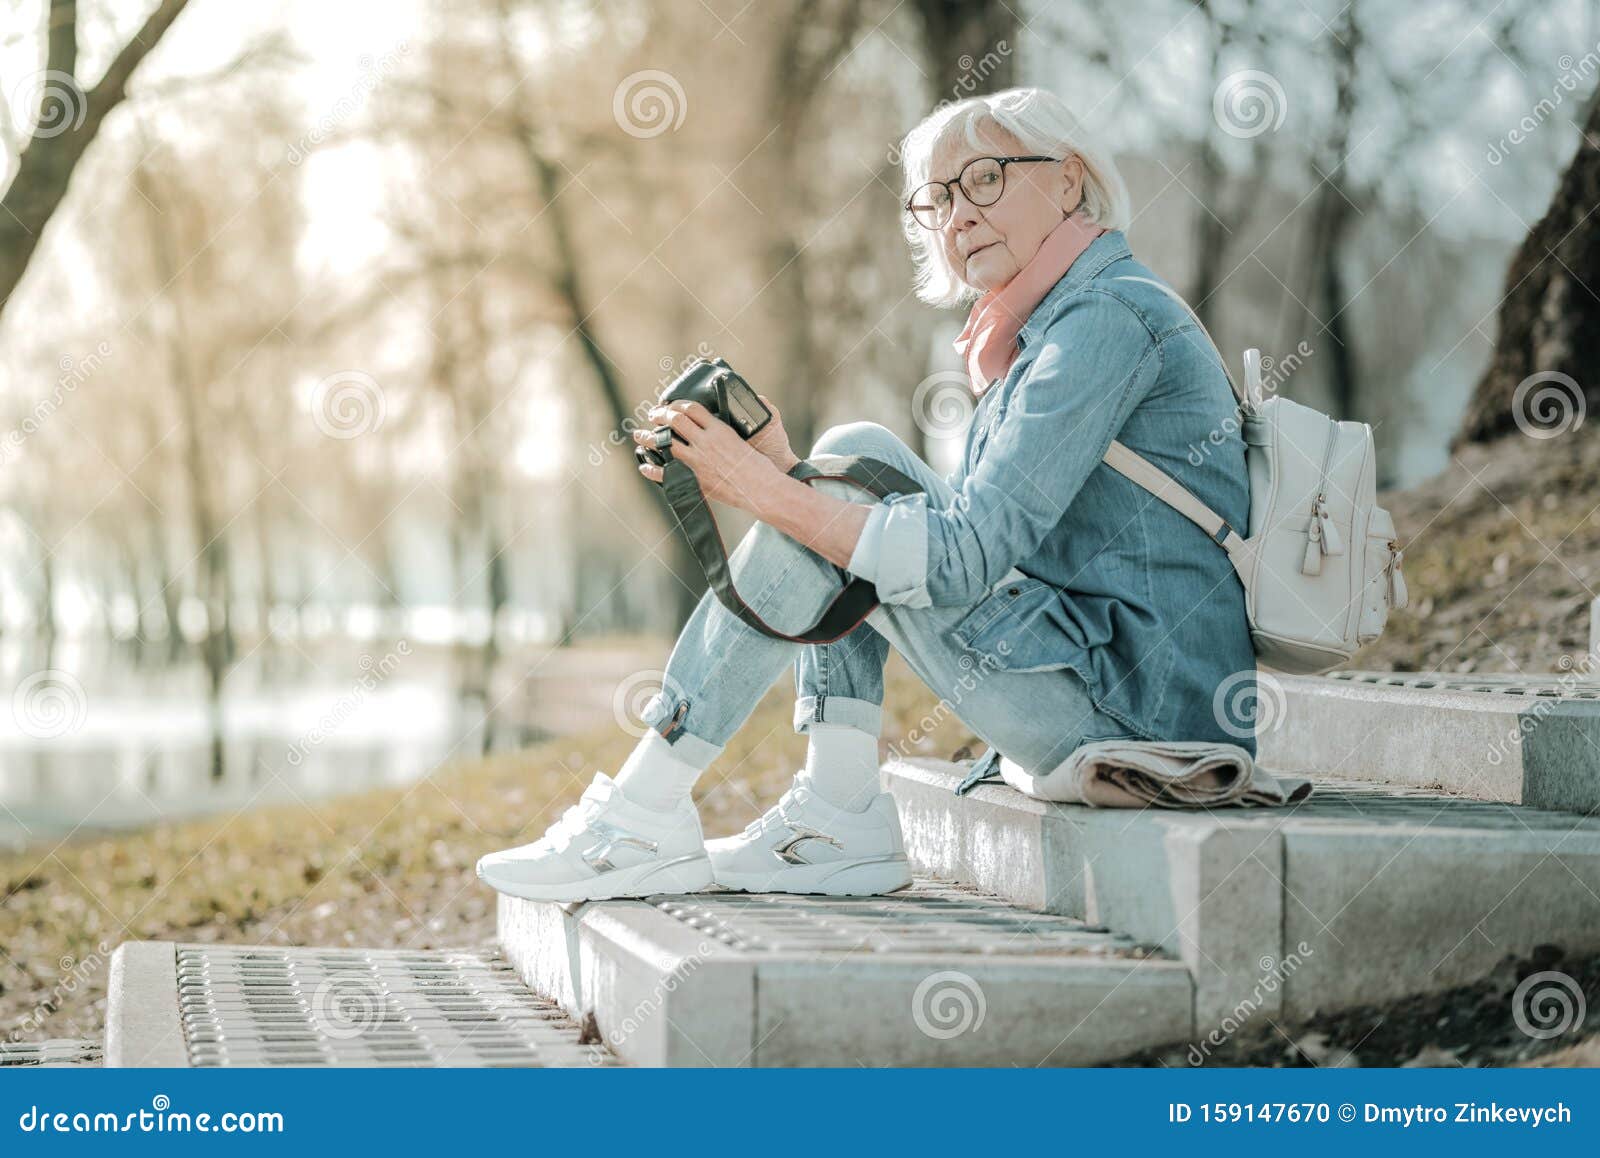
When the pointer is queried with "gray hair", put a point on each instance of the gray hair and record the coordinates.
(1041, 123)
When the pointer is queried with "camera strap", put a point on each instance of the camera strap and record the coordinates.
(699, 526)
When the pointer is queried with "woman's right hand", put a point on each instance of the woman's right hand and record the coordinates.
(772, 440)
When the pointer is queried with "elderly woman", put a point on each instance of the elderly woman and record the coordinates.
(1047, 599)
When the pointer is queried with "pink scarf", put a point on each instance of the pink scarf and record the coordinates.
(988, 344)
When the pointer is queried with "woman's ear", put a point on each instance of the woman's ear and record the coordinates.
(1072, 184)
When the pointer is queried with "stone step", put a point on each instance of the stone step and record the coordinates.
(55, 1053)
(1361, 894)
(934, 975)
(1518, 739)
(233, 1005)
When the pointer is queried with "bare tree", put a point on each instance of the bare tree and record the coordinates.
(1225, 200)
(1332, 215)
(1549, 319)
(958, 35)
(53, 152)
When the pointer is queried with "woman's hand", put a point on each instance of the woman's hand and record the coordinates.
(729, 469)
(772, 440)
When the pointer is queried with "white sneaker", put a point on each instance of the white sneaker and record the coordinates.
(605, 846)
(803, 844)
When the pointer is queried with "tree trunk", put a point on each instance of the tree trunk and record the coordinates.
(566, 281)
(1331, 219)
(1224, 206)
(968, 46)
(69, 119)
(1549, 318)
(213, 585)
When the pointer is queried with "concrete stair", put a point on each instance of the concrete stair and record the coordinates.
(1361, 894)
(1517, 739)
(1449, 830)
(204, 1005)
(932, 976)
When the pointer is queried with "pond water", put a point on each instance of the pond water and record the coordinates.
(89, 744)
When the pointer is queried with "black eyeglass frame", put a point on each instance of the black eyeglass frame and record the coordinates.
(956, 180)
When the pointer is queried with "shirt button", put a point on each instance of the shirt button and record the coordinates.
(1013, 591)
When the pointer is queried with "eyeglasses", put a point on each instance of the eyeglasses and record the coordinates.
(982, 179)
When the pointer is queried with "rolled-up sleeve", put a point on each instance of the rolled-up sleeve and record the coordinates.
(893, 550)
(1096, 361)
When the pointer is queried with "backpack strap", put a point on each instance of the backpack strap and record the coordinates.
(1144, 473)
(1169, 490)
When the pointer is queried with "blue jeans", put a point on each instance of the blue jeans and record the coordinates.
(720, 668)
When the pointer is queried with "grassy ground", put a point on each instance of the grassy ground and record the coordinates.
(390, 868)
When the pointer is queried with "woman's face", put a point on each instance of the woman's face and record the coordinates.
(987, 245)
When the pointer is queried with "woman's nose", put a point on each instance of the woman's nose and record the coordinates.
(963, 213)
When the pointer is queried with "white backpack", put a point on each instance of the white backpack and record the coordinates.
(1319, 561)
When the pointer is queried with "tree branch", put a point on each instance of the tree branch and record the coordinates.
(58, 143)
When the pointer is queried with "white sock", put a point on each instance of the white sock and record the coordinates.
(656, 776)
(843, 765)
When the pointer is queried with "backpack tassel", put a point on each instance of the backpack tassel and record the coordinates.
(1312, 563)
(1332, 544)
(1322, 538)
(1398, 596)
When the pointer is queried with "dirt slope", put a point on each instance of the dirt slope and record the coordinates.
(1502, 556)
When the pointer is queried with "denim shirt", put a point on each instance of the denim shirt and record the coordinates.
(1137, 600)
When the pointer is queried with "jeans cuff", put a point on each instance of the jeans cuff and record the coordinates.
(851, 713)
(665, 714)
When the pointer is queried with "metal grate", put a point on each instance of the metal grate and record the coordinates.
(1569, 687)
(927, 918)
(52, 1053)
(367, 1007)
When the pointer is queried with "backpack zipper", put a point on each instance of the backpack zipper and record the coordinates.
(1322, 537)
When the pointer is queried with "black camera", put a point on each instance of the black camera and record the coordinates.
(715, 386)
(719, 389)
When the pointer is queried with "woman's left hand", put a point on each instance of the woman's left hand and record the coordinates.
(728, 468)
